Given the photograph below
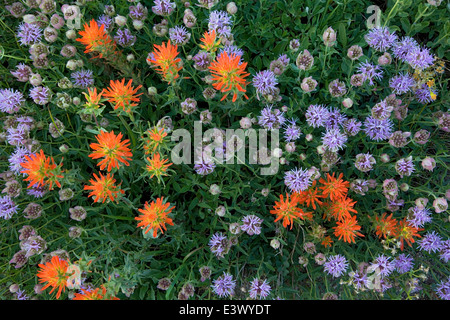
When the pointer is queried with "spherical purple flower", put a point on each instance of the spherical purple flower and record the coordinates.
(179, 35)
(400, 49)
(163, 7)
(264, 82)
(219, 244)
(423, 95)
(445, 251)
(443, 290)
(359, 280)
(431, 242)
(364, 162)
(29, 33)
(37, 191)
(403, 263)
(106, 21)
(83, 78)
(401, 83)
(337, 88)
(297, 179)
(202, 60)
(138, 12)
(125, 38)
(17, 136)
(271, 118)
(382, 266)
(204, 166)
(22, 72)
(7, 207)
(381, 110)
(291, 131)
(380, 39)
(378, 129)
(351, 127)
(10, 100)
(40, 95)
(404, 167)
(16, 158)
(21, 295)
(336, 265)
(419, 216)
(317, 115)
(419, 58)
(224, 285)
(334, 119)
(333, 139)
(220, 21)
(259, 288)
(251, 224)
(230, 50)
(370, 72)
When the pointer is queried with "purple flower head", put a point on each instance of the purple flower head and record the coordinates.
(297, 179)
(380, 39)
(381, 110)
(251, 224)
(334, 140)
(336, 265)
(317, 115)
(17, 136)
(83, 78)
(40, 95)
(337, 88)
(106, 21)
(431, 242)
(378, 129)
(370, 72)
(10, 100)
(21, 295)
(205, 165)
(291, 131)
(271, 118)
(224, 285)
(382, 266)
(403, 263)
(125, 38)
(179, 35)
(419, 216)
(445, 251)
(443, 290)
(359, 280)
(219, 244)
(220, 21)
(37, 191)
(230, 50)
(265, 82)
(259, 288)
(401, 83)
(7, 207)
(16, 158)
(138, 12)
(401, 48)
(423, 95)
(22, 72)
(419, 58)
(29, 33)
(351, 127)
(202, 60)
(334, 119)
(163, 7)
(364, 162)
(404, 167)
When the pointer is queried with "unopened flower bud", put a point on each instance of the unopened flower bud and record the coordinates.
(64, 148)
(404, 187)
(428, 164)
(231, 8)
(138, 24)
(385, 158)
(309, 137)
(275, 243)
(152, 91)
(130, 57)
(302, 156)
(329, 37)
(35, 79)
(265, 192)
(71, 34)
(214, 189)
(347, 103)
(220, 211)
(440, 205)
(120, 20)
(245, 123)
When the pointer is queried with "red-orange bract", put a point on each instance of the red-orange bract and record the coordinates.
(334, 188)
(155, 216)
(54, 274)
(93, 294)
(286, 210)
(228, 74)
(406, 232)
(122, 95)
(310, 196)
(112, 149)
(347, 229)
(96, 39)
(41, 170)
(103, 188)
(164, 59)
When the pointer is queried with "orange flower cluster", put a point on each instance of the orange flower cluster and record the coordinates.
(210, 43)
(112, 149)
(287, 210)
(97, 40)
(41, 170)
(164, 60)
(388, 227)
(93, 294)
(157, 165)
(122, 95)
(155, 216)
(228, 74)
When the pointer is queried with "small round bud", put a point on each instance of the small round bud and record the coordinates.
(347, 103)
(385, 158)
(120, 20)
(277, 152)
(245, 123)
(152, 91)
(302, 156)
(232, 8)
(71, 34)
(290, 147)
(309, 137)
(235, 228)
(64, 148)
(35, 79)
(404, 187)
(76, 101)
(220, 211)
(320, 149)
(284, 108)
(265, 192)
(428, 164)
(71, 65)
(130, 57)
(275, 243)
(138, 24)
(14, 288)
(214, 189)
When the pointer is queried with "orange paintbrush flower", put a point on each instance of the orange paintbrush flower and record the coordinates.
(164, 59)
(121, 95)
(406, 232)
(347, 229)
(96, 39)
(93, 294)
(310, 196)
(209, 41)
(228, 74)
(93, 99)
(155, 139)
(103, 188)
(157, 166)
(112, 149)
(41, 170)
(155, 216)
(287, 210)
(327, 241)
(385, 226)
(341, 209)
(334, 188)
(54, 274)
